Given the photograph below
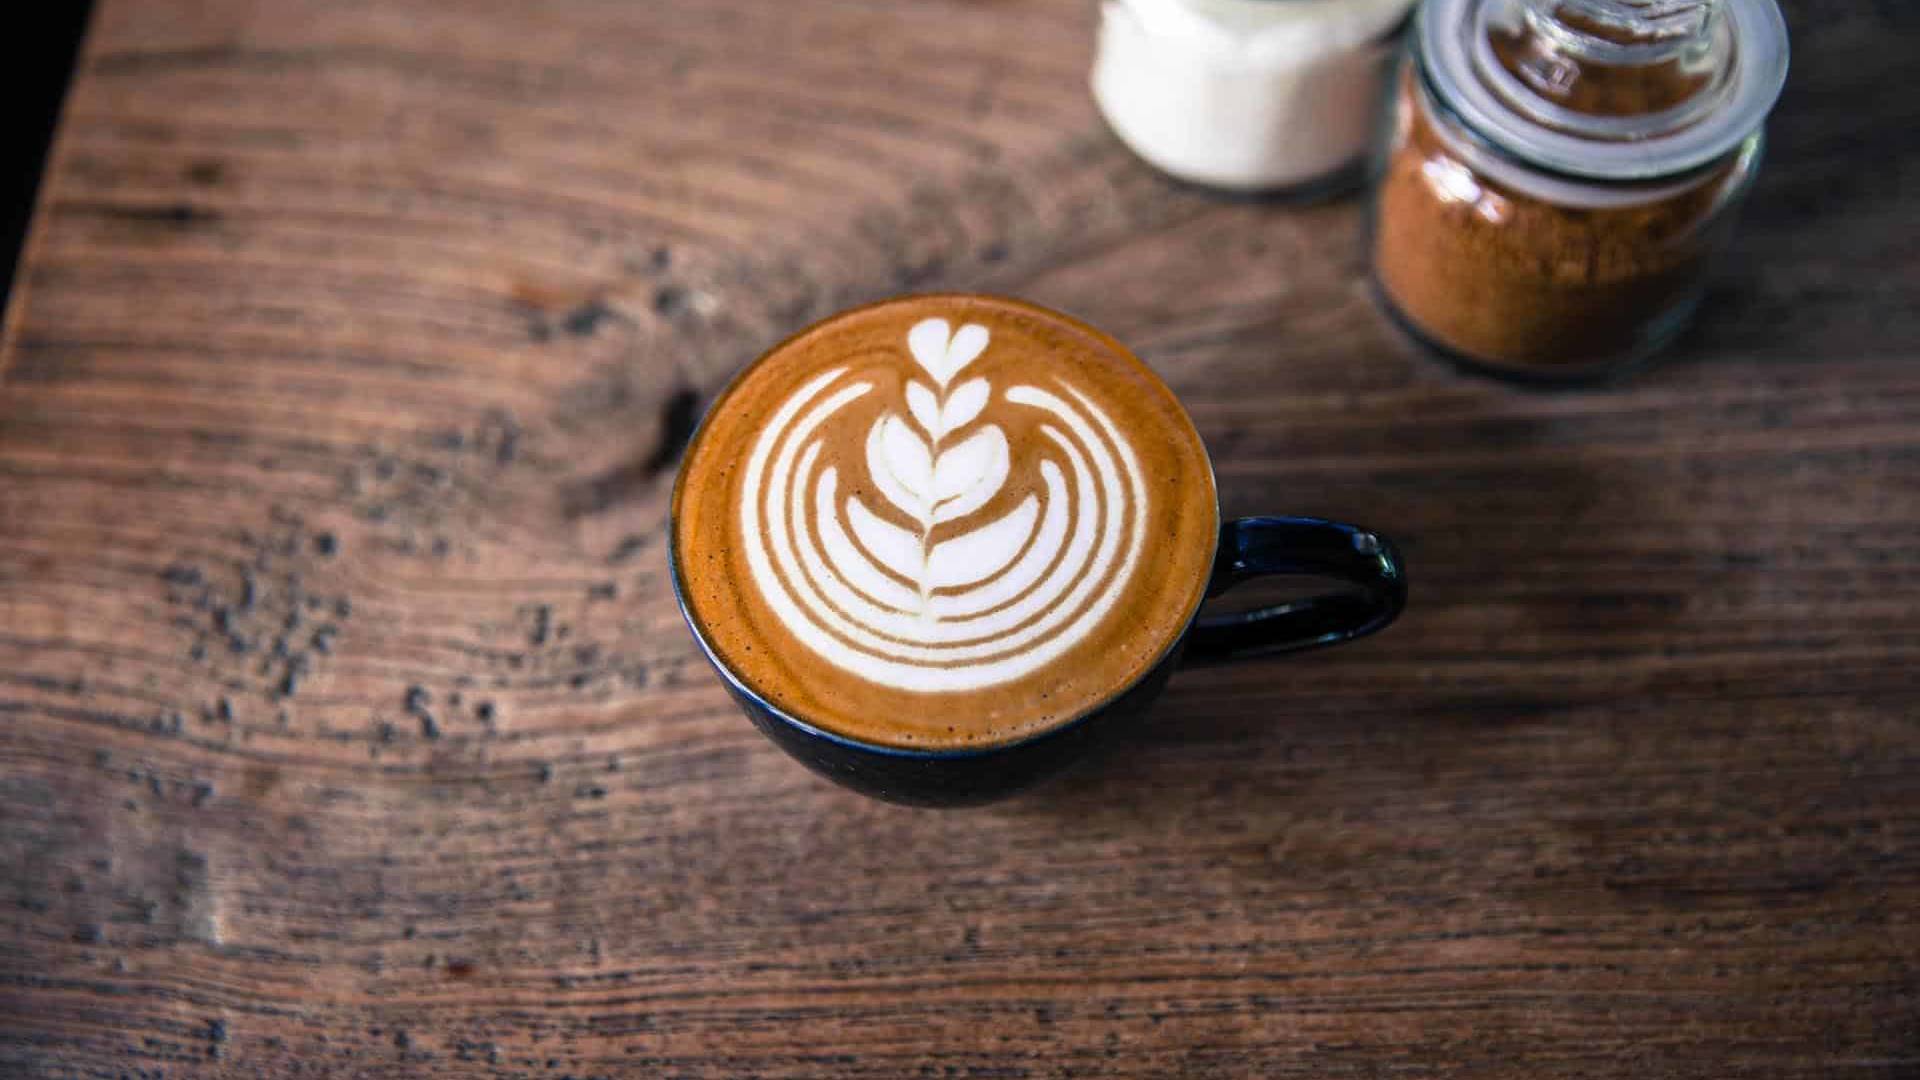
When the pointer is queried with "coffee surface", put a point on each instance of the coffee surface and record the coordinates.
(944, 521)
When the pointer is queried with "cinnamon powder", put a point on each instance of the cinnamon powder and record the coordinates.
(1508, 279)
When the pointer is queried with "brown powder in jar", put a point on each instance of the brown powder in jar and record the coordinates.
(1509, 280)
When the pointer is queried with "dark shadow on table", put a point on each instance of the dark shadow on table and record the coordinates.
(41, 65)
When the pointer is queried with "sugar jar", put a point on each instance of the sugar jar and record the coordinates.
(1247, 95)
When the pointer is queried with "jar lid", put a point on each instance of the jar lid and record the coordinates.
(1742, 42)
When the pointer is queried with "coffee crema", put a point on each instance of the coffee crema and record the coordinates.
(943, 521)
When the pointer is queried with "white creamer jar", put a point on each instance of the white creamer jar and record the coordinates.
(1246, 95)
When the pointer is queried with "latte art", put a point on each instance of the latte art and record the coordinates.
(943, 521)
(918, 585)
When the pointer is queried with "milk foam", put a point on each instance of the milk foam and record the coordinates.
(1001, 594)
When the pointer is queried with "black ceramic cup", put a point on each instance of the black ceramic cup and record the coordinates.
(1371, 590)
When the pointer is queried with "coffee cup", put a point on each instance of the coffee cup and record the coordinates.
(941, 546)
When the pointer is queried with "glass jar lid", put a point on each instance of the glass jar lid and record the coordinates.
(1607, 89)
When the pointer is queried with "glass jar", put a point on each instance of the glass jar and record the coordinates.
(1556, 174)
(1247, 95)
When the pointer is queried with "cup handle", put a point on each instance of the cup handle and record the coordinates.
(1260, 546)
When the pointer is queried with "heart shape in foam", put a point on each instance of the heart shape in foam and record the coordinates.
(962, 405)
(941, 352)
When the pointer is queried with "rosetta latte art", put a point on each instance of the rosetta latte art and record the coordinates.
(933, 589)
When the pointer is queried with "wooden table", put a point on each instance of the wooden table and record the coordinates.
(347, 727)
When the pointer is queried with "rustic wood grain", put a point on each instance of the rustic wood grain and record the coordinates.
(347, 727)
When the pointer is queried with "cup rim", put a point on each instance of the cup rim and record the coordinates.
(740, 685)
